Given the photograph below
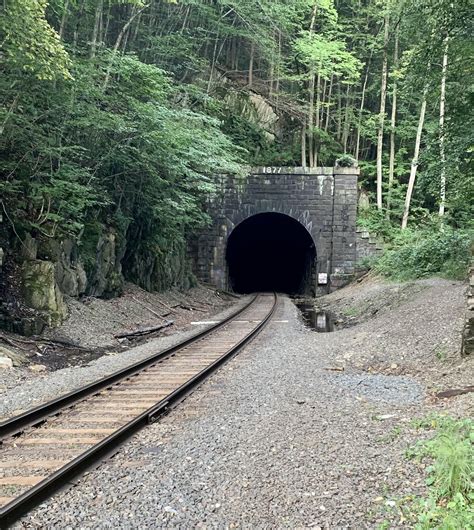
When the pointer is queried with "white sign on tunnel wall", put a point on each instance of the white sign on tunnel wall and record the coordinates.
(323, 278)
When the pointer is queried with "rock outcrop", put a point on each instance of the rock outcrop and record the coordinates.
(39, 274)
(41, 290)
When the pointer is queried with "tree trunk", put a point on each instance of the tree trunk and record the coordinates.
(272, 72)
(62, 27)
(312, 82)
(277, 83)
(322, 103)
(105, 29)
(185, 20)
(328, 108)
(442, 135)
(127, 33)
(345, 129)
(361, 110)
(383, 95)
(318, 100)
(75, 38)
(414, 162)
(251, 63)
(303, 144)
(95, 31)
(393, 121)
(213, 64)
(135, 31)
(339, 112)
(117, 44)
(316, 118)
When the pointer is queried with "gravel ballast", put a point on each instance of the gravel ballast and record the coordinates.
(289, 434)
(33, 391)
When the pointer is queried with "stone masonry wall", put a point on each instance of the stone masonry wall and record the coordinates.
(323, 200)
(468, 332)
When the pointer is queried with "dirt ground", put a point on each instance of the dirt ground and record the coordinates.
(412, 328)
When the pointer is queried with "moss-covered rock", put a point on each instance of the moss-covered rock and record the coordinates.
(69, 270)
(41, 292)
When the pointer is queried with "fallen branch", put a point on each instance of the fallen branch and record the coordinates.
(191, 308)
(167, 306)
(149, 308)
(144, 331)
(51, 342)
(455, 392)
(335, 368)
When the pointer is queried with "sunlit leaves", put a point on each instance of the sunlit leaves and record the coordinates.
(328, 57)
(29, 43)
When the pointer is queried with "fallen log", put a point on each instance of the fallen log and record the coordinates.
(144, 331)
(191, 308)
(35, 340)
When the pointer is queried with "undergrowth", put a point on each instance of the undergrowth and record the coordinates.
(450, 501)
(432, 249)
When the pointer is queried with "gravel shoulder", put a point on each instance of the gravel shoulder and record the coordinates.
(24, 388)
(301, 430)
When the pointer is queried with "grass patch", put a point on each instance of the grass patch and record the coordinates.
(392, 435)
(351, 311)
(450, 502)
(441, 355)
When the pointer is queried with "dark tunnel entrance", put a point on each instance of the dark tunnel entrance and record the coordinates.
(271, 252)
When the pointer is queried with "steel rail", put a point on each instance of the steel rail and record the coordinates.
(40, 413)
(60, 478)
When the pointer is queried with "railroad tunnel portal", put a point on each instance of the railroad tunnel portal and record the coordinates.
(271, 252)
(288, 228)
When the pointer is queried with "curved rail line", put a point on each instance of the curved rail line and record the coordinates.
(45, 447)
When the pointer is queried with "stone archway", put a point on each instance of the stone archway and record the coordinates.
(322, 200)
(271, 251)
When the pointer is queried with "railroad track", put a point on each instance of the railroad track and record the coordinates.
(45, 447)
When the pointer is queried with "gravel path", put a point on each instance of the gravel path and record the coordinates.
(289, 434)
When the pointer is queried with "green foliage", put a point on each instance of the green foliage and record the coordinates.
(329, 57)
(453, 469)
(429, 249)
(77, 159)
(456, 514)
(377, 224)
(116, 115)
(346, 161)
(450, 504)
(429, 252)
(29, 43)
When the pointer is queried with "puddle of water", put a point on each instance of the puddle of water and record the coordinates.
(320, 321)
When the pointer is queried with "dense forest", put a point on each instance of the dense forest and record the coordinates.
(117, 115)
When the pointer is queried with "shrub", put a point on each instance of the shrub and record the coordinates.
(428, 252)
